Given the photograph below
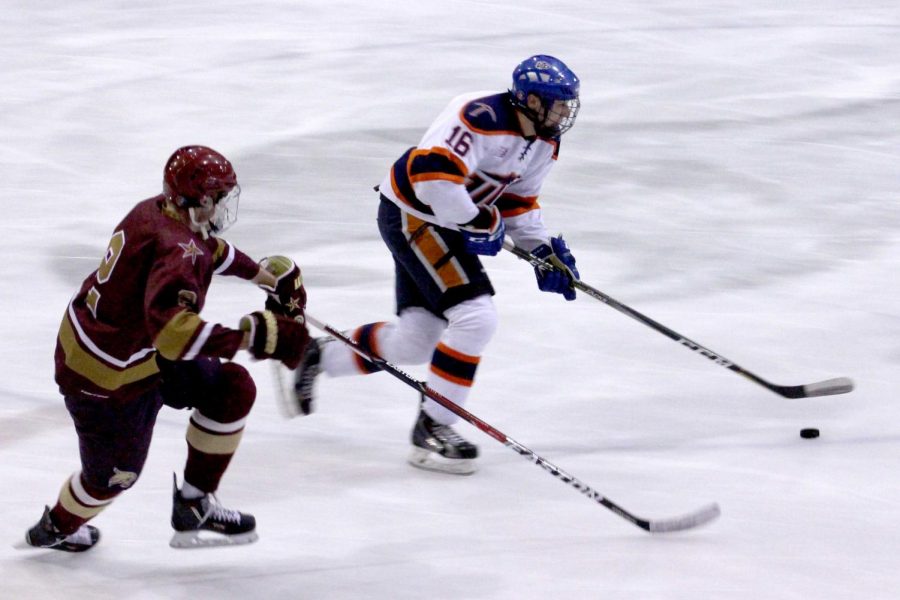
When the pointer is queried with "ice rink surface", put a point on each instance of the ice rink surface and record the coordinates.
(733, 174)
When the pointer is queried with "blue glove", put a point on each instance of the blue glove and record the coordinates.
(484, 234)
(562, 279)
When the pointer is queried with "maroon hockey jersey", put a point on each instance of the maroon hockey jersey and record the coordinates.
(145, 298)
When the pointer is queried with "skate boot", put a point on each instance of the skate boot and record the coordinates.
(304, 378)
(437, 447)
(46, 535)
(220, 526)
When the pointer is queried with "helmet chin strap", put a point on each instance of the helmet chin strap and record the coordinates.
(537, 117)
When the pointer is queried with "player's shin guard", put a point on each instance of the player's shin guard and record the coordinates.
(216, 427)
(210, 447)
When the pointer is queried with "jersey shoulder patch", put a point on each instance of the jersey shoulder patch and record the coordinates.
(491, 115)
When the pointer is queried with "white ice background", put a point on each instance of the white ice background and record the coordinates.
(733, 174)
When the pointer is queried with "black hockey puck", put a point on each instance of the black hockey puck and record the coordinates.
(809, 433)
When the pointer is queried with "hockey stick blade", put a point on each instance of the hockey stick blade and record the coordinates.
(829, 387)
(689, 521)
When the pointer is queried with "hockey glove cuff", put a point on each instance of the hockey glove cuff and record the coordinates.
(484, 234)
(275, 336)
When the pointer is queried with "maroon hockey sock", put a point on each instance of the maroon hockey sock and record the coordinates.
(65, 521)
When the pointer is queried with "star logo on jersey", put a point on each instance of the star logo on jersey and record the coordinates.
(191, 251)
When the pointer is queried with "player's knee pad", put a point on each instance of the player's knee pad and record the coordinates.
(414, 335)
(232, 396)
(471, 324)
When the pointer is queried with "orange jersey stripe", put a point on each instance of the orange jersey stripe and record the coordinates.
(437, 177)
(397, 191)
(459, 164)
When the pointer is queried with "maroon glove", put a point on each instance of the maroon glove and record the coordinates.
(276, 336)
(288, 297)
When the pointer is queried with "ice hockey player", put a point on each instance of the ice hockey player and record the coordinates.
(474, 176)
(132, 340)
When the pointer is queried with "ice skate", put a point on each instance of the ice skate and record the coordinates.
(46, 535)
(437, 447)
(203, 522)
(296, 398)
(302, 401)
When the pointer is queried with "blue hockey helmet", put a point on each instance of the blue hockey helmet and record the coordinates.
(551, 81)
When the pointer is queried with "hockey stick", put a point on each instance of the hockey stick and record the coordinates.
(689, 521)
(828, 387)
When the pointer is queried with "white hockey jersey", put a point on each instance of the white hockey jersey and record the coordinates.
(475, 153)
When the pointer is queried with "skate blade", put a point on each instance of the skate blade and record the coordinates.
(206, 539)
(287, 402)
(24, 545)
(431, 461)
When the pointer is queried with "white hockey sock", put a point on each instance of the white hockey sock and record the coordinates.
(456, 357)
(189, 492)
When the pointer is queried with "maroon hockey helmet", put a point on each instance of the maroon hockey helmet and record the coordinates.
(198, 178)
(194, 172)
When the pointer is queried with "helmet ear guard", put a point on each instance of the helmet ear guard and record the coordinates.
(551, 82)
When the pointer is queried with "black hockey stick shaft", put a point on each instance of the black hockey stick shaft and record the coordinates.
(689, 521)
(828, 387)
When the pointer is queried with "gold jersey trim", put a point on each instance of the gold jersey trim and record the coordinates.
(91, 368)
(172, 341)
